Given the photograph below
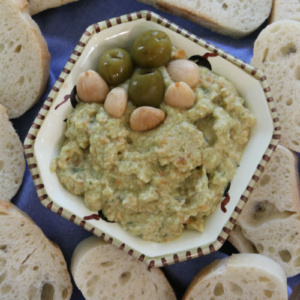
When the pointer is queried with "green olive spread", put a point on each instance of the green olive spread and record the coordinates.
(158, 182)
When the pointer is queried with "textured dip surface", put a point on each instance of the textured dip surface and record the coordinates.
(159, 182)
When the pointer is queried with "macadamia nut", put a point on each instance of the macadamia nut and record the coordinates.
(91, 87)
(116, 102)
(179, 95)
(184, 70)
(146, 118)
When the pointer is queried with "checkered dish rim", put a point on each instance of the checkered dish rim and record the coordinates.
(31, 136)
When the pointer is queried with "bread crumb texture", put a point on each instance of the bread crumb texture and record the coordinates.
(285, 10)
(241, 276)
(102, 270)
(12, 161)
(277, 53)
(24, 59)
(31, 266)
(236, 18)
(270, 220)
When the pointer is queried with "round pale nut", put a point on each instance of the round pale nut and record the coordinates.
(146, 118)
(116, 102)
(179, 95)
(184, 70)
(91, 87)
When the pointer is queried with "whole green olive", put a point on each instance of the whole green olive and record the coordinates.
(146, 88)
(151, 49)
(115, 66)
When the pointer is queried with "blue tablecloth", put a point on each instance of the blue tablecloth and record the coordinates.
(62, 28)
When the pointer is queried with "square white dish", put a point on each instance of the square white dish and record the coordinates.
(43, 141)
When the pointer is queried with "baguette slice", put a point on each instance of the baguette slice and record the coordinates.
(240, 276)
(36, 6)
(234, 18)
(12, 161)
(285, 10)
(238, 240)
(102, 270)
(24, 58)
(270, 221)
(32, 267)
(276, 52)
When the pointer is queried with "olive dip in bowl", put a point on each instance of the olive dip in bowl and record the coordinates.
(157, 156)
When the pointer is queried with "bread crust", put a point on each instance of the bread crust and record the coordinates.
(37, 6)
(276, 54)
(33, 265)
(238, 277)
(44, 52)
(188, 14)
(12, 161)
(219, 16)
(101, 269)
(284, 10)
(25, 58)
(202, 274)
(270, 221)
(22, 5)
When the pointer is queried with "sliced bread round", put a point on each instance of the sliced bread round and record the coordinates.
(285, 10)
(270, 220)
(277, 53)
(24, 58)
(12, 161)
(102, 270)
(234, 18)
(240, 276)
(31, 266)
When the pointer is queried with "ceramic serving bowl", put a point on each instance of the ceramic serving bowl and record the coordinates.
(45, 137)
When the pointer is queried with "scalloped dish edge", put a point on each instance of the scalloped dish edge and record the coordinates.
(33, 132)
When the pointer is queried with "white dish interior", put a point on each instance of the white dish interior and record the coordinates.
(50, 137)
